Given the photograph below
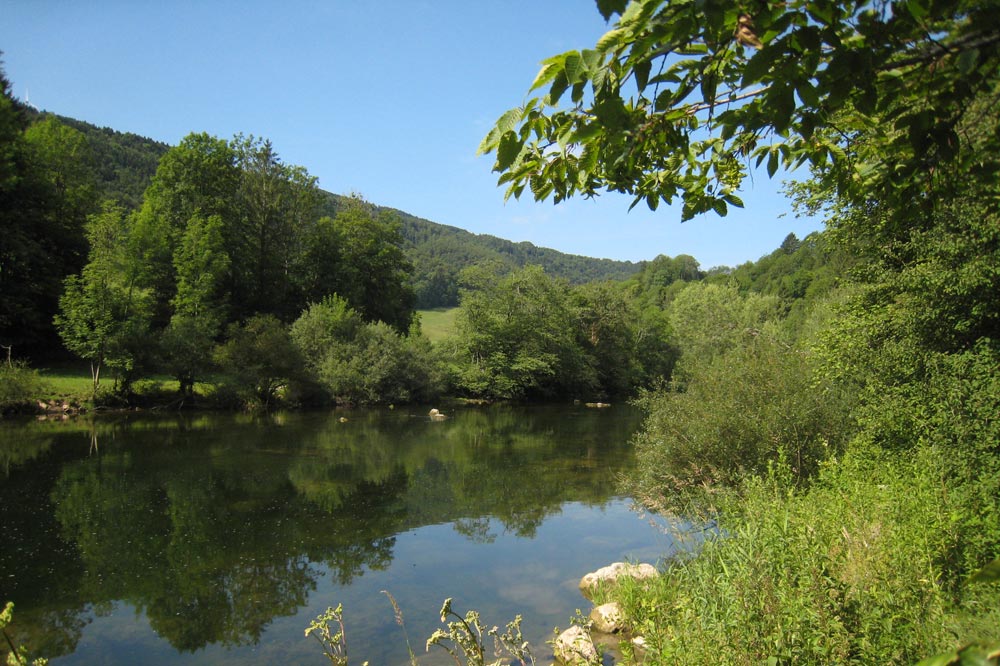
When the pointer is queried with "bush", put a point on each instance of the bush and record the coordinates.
(19, 385)
(364, 363)
(848, 571)
(738, 413)
(258, 359)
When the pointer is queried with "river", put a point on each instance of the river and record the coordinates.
(216, 538)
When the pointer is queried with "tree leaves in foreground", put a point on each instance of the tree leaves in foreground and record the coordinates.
(681, 97)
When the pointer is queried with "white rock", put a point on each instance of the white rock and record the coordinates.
(614, 572)
(608, 618)
(574, 647)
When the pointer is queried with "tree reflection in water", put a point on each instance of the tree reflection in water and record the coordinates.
(215, 525)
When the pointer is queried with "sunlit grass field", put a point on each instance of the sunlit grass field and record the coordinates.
(439, 323)
(73, 382)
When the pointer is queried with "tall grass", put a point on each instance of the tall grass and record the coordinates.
(852, 570)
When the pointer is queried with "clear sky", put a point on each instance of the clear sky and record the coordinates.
(387, 98)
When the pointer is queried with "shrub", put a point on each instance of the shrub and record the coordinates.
(19, 385)
(738, 413)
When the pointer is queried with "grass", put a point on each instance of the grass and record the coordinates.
(68, 381)
(439, 323)
(73, 382)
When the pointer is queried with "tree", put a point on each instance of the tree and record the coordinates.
(201, 264)
(680, 96)
(46, 194)
(377, 272)
(361, 362)
(259, 358)
(196, 180)
(518, 339)
(278, 204)
(104, 312)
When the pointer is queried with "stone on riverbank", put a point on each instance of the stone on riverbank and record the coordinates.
(608, 618)
(574, 647)
(615, 572)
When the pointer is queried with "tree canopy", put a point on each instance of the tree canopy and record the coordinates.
(681, 97)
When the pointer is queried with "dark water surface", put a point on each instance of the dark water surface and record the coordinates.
(215, 539)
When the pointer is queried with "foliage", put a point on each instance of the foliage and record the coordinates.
(525, 335)
(258, 357)
(376, 271)
(517, 339)
(334, 643)
(46, 194)
(465, 640)
(104, 312)
(123, 163)
(736, 414)
(844, 572)
(19, 385)
(364, 363)
(678, 96)
(18, 655)
(708, 320)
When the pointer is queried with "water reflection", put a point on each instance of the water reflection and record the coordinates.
(214, 526)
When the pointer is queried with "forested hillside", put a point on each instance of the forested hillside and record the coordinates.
(125, 164)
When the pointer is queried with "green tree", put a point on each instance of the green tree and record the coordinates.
(377, 273)
(259, 358)
(365, 363)
(105, 311)
(679, 96)
(627, 350)
(278, 204)
(710, 319)
(46, 194)
(195, 181)
(518, 339)
(201, 265)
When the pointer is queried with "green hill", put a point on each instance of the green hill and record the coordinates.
(126, 163)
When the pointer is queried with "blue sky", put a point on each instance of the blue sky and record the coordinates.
(388, 99)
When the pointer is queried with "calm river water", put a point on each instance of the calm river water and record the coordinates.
(214, 539)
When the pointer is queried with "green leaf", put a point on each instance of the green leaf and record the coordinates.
(709, 85)
(918, 9)
(546, 74)
(507, 150)
(783, 101)
(759, 65)
(641, 71)
(610, 7)
(967, 61)
(591, 59)
(574, 67)
(772, 163)
(507, 122)
(559, 85)
(611, 39)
